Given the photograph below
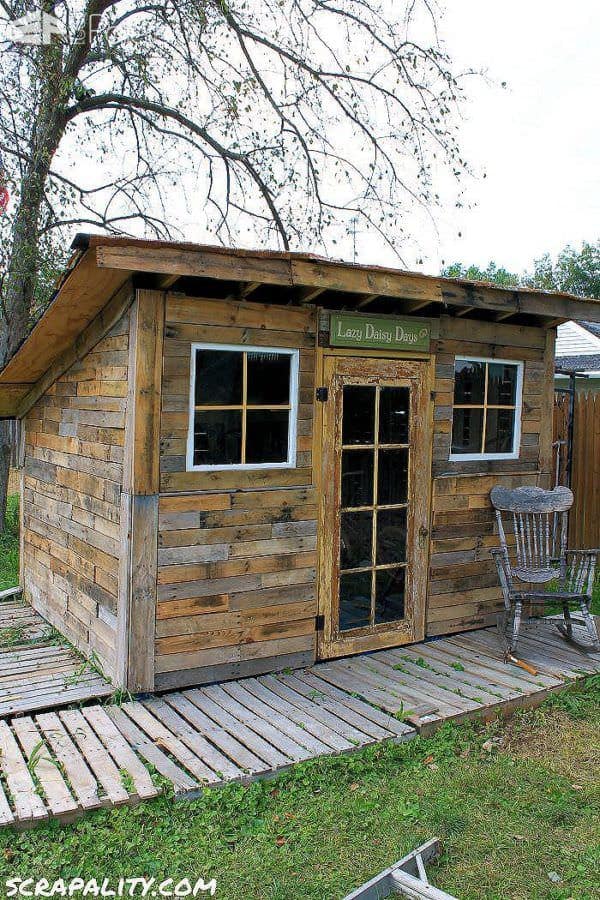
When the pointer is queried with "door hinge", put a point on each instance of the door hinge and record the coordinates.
(432, 396)
(322, 394)
(319, 623)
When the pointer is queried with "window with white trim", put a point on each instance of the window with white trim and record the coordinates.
(243, 407)
(486, 420)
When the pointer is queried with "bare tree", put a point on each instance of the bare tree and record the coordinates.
(286, 119)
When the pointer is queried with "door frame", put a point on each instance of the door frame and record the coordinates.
(420, 370)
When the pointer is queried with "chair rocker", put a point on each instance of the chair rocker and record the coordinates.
(539, 521)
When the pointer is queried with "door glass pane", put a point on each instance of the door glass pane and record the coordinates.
(499, 430)
(356, 542)
(466, 430)
(268, 379)
(502, 384)
(357, 477)
(355, 600)
(389, 595)
(217, 437)
(358, 426)
(469, 381)
(267, 435)
(392, 480)
(391, 536)
(393, 415)
(218, 378)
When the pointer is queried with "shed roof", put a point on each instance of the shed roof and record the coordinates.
(101, 265)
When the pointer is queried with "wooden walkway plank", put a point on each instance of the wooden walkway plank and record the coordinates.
(261, 748)
(369, 716)
(196, 741)
(6, 816)
(45, 768)
(438, 680)
(164, 765)
(475, 657)
(167, 741)
(81, 780)
(28, 805)
(249, 716)
(319, 692)
(432, 686)
(486, 644)
(240, 756)
(301, 716)
(276, 711)
(284, 687)
(442, 663)
(123, 755)
(99, 761)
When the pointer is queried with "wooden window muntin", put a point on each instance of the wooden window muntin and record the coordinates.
(244, 407)
(515, 407)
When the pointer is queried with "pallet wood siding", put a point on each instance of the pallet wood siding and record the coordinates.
(237, 549)
(73, 474)
(464, 592)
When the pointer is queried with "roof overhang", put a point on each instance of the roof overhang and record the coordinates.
(101, 265)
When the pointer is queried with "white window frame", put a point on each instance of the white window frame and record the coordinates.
(515, 452)
(290, 462)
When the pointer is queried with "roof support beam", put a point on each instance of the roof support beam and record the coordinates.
(364, 301)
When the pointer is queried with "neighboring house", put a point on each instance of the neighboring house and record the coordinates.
(578, 350)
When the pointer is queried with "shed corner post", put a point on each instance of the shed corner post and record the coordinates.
(140, 495)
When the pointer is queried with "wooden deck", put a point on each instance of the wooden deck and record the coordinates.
(37, 669)
(63, 763)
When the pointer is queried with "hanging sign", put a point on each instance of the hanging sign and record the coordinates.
(379, 332)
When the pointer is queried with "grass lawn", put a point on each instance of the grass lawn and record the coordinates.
(508, 816)
(514, 803)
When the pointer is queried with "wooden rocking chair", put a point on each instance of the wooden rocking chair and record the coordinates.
(540, 522)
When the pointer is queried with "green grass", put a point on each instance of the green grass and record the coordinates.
(9, 545)
(507, 817)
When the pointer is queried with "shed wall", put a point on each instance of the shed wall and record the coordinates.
(463, 584)
(237, 549)
(73, 475)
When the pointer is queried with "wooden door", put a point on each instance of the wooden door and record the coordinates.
(374, 504)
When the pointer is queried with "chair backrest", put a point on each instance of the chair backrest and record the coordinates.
(540, 523)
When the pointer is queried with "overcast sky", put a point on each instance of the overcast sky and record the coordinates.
(538, 139)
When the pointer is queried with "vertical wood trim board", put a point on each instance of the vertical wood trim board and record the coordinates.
(141, 484)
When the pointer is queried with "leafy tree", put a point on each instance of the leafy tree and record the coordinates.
(574, 271)
(285, 118)
(493, 273)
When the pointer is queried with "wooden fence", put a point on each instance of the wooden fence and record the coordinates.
(584, 522)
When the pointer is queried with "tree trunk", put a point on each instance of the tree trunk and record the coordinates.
(5, 454)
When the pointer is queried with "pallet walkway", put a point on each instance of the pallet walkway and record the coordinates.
(37, 670)
(62, 763)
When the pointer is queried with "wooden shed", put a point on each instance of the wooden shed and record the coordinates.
(238, 461)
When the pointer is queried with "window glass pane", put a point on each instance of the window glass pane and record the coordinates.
(357, 477)
(467, 430)
(393, 415)
(355, 600)
(469, 381)
(269, 379)
(217, 437)
(358, 415)
(267, 435)
(218, 378)
(499, 430)
(502, 384)
(389, 595)
(356, 548)
(392, 480)
(391, 536)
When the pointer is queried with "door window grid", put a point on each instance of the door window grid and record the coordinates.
(375, 506)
